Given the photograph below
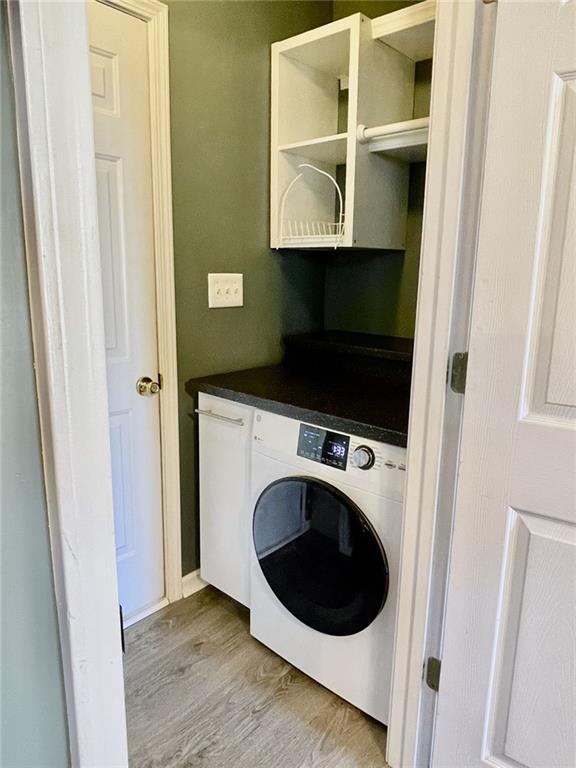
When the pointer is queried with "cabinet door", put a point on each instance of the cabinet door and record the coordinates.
(225, 429)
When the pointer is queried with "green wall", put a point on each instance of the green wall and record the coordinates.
(220, 112)
(376, 293)
(32, 710)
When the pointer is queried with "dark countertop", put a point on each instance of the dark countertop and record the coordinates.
(365, 406)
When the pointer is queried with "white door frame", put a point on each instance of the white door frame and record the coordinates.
(460, 95)
(49, 46)
(60, 206)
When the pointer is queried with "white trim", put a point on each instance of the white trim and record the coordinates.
(56, 154)
(192, 583)
(155, 14)
(453, 188)
(145, 612)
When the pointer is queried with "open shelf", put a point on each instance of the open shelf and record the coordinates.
(311, 69)
(327, 189)
(328, 52)
(409, 31)
(406, 141)
(326, 149)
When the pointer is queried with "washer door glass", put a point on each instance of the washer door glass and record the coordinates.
(320, 555)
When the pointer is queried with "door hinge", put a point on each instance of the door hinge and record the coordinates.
(458, 372)
(122, 629)
(433, 673)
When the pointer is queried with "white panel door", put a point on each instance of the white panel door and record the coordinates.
(120, 96)
(508, 684)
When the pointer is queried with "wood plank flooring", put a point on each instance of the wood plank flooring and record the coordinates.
(201, 692)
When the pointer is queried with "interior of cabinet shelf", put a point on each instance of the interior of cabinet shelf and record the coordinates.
(329, 53)
(326, 149)
(409, 31)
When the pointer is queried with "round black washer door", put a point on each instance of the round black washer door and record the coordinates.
(320, 555)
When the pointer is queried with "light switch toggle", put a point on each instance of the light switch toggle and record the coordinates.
(225, 289)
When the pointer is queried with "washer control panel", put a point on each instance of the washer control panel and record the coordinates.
(341, 451)
(359, 462)
(323, 446)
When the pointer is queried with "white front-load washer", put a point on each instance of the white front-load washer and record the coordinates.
(325, 548)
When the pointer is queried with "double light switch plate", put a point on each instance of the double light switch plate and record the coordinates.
(225, 289)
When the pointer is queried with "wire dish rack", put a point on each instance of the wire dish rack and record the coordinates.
(306, 233)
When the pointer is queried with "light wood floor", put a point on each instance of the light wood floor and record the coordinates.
(201, 692)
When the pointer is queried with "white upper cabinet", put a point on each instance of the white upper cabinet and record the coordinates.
(330, 187)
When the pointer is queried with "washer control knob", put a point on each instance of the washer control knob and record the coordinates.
(363, 457)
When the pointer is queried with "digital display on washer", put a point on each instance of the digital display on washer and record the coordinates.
(323, 446)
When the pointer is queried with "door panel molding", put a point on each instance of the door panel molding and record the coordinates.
(104, 69)
(551, 377)
(122, 482)
(536, 603)
(110, 194)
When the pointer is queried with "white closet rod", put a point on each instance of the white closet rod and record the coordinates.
(364, 134)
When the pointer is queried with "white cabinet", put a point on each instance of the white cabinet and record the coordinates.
(330, 185)
(225, 430)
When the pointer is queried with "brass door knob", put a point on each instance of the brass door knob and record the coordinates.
(146, 387)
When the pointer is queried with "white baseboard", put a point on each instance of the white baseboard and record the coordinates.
(192, 583)
(148, 611)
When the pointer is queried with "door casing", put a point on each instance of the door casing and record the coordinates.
(55, 118)
(460, 95)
